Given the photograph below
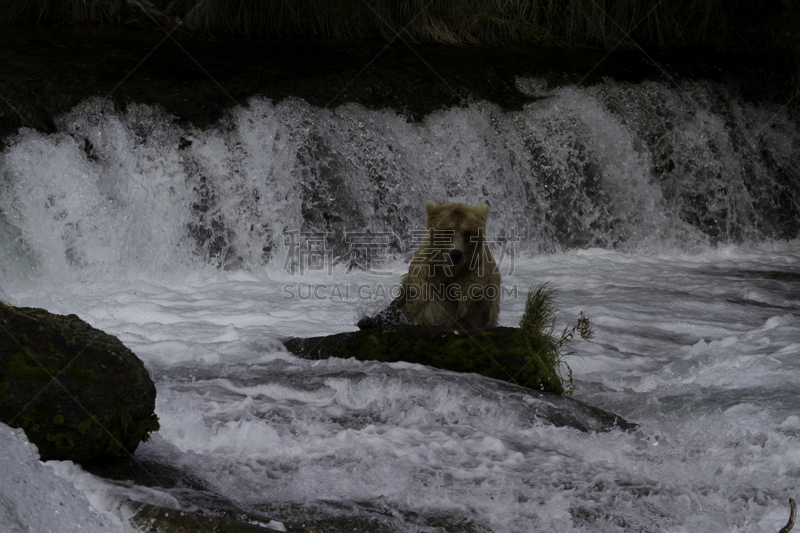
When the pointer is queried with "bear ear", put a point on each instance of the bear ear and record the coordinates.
(482, 210)
(431, 208)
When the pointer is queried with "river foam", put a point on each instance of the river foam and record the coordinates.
(656, 209)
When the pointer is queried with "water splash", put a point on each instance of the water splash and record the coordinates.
(616, 165)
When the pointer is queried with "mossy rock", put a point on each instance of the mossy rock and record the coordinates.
(501, 353)
(78, 393)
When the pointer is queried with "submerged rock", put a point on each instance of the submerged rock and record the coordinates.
(78, 393)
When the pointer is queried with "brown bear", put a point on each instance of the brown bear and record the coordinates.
(453, 280)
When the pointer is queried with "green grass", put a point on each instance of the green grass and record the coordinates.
(56, 12)
(770, 26)
(601, 23)
(539, 324)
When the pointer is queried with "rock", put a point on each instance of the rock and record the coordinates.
(78, 393)
(501, 353)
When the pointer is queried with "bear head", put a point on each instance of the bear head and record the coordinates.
(456, 231)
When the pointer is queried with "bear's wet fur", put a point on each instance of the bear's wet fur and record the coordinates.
(452, 280)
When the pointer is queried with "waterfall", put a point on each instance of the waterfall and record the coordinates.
(617, 165)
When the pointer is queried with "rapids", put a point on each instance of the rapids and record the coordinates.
(667, 213)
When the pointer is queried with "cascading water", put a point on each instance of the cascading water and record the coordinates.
(619, 166)
(668, 213)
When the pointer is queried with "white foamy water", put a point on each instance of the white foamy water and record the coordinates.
(34, 498)
(701, 351)
(170, 238)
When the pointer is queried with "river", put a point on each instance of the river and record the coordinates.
(667, 212)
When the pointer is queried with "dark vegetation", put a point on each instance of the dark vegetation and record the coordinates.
(707, 38)
(766, 25)
(599, 23)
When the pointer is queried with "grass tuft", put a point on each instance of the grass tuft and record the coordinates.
(539, 324)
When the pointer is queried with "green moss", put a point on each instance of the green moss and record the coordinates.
(27, 365)
(53, 422)
(61, 441)
(127, 431)
(85, 426)
(84, 374)
(73, 338)
(37, 418)
(110, 434)
(23, 339)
